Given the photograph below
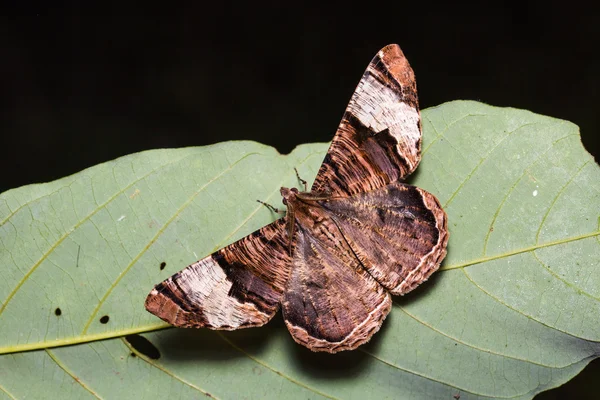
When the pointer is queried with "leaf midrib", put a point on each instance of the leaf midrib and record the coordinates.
(153, 327)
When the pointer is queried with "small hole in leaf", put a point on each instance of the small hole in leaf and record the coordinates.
(104, 319)
(163, 265)
(143, 345)
(57, 312)
(133, 354)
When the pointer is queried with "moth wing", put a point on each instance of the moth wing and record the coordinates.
(238, 286)
(331, 303)
(399, 233)
(379, 138)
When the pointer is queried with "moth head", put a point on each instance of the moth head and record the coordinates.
(287, 194)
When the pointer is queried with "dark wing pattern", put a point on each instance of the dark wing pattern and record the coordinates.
(379, 138)
(331, 302)
(238, 286)
(398, 232)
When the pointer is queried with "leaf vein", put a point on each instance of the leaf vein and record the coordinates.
(27, 346)
(569, 284)
(73, 228)
(525, 171)
(388, 363)
(515, 309)
(62, 366)
(221, 243)
(289, 378)
(156, 236)
(560, 192)
(480, 163)
(166, 371)
(3, 389)
(519, 251)
(473, 346)
(448, 125)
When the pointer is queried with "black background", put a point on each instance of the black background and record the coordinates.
(80, 87)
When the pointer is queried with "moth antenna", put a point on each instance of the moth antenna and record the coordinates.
(270, 207)
(302, 181)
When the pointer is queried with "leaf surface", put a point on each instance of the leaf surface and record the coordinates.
(514, 311)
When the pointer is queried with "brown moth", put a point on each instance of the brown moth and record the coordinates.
(333, 262)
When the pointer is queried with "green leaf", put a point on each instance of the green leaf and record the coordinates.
(514, 311)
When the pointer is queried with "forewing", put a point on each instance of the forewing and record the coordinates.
(398, 232)
(238, 286)
(379, 138)
(331, 303)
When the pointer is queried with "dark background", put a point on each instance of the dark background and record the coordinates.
(78, 89)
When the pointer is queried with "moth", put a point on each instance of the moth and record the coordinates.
(357, 237)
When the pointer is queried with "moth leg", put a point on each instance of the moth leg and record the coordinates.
(270, 207)
(302, 181)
